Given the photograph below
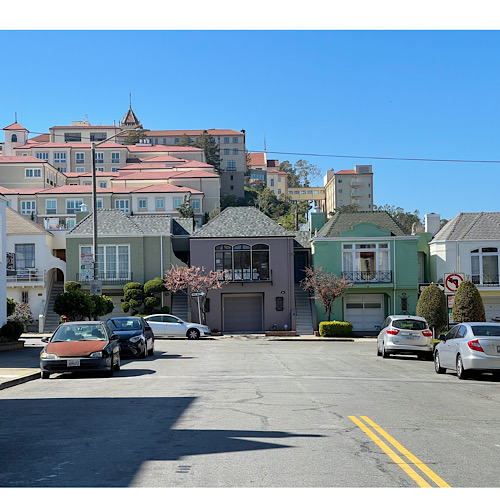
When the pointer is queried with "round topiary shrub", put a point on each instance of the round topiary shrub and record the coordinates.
(7, 332)
(468, 304)
(432, 307)
(70, 286)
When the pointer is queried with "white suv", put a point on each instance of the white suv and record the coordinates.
(405, 335)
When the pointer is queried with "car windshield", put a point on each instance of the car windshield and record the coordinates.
(486, 330)
(75, 333)
(125, 324)
(409, 324)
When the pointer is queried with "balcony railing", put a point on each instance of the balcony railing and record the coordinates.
(107, 278)
(25, 277)
(367, 276)
(485, 280)
(247, 275)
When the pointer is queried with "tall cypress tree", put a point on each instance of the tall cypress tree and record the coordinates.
(431, 305)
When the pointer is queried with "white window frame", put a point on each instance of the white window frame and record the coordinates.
(73, 204)
(123, 205)
(478, 279)
(142, 203)
(115, 157)
(28, 207)
(79, 158)
(33, 173)
(80, 170)
(43, 156)
(99, 157)
(47, 207)
(59, 157)
(160, 203)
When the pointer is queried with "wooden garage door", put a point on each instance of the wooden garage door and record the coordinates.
(242, 313)
(364, 311)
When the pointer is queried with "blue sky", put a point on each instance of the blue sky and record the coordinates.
(314, 95)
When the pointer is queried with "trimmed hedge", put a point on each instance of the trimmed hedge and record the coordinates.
(335, 329)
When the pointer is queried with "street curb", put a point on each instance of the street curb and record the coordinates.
(19, 380)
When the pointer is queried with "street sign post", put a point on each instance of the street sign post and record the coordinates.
(452, 281)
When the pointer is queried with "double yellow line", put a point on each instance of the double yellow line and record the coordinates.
(397, 458)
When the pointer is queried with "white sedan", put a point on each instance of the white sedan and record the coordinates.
(166, 325)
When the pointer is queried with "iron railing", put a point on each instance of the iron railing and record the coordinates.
(485, 279)
(107, 278)
(371, 276)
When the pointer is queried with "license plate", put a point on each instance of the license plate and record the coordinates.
(73, 362)
(412, 337)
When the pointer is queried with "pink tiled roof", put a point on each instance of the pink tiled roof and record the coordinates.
(74, 189)
(166, 175)
(4, 190)
(72, 145)
(89, 174)
(164, 158)
(345, 172)
(257, 159)
(15, 126)
(40, 138)
(158, 148)
(20, 159)
(165, 188)
(114, 127)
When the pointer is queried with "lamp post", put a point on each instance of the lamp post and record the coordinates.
(96, 287)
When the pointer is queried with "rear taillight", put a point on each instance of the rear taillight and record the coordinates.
(392, 331)
(426, 333)
(474, 345)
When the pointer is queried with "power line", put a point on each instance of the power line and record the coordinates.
(376, 157)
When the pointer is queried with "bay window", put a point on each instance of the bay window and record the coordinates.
(113, 261)
(484, 266)
(243, 262)
(366, 262)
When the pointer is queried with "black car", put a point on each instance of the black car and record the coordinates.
(136, 336)
(80, 346)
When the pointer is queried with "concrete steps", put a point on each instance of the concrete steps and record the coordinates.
(52, 319)
(303, 319)
(180, 305)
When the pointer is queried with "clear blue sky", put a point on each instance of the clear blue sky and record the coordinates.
(404, 94)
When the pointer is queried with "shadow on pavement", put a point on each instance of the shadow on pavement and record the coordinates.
(104, 441)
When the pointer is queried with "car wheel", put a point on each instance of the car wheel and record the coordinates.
(152, 350)
(193, 334)
(461, 373)
(111, 371)
(117, 366)
(145, 352)
(385, 353)
(45, 375)
(437, 364)
(378, 350)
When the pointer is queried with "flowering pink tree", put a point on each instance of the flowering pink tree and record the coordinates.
(324, 286)
(193, 279)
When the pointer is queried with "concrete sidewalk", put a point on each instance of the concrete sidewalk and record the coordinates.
(22, 365)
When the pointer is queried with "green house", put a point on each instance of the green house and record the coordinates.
(382, 262)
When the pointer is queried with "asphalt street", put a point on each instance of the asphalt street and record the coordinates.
(253, 413)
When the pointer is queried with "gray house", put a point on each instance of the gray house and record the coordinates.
(130, 248)
(257, 255)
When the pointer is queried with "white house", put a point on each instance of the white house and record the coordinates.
(3, 288)
(32, 268)
(470, 244)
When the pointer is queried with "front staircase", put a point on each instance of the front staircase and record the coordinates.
(180, 305)
(303, 318)
(52, 319)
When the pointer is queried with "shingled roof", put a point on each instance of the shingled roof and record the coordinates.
(471, 226)
(241, 222)
(114, 222)
(344, 221)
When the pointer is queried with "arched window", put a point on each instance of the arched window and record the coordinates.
(224, 260)
(14, 138)
(242, 262)
(484, 266)
(260, 262)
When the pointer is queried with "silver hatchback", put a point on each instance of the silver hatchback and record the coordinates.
(405, 335)
(469, 347)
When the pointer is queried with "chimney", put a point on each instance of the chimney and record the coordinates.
(432, 223)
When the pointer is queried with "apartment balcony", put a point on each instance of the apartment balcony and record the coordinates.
(107, 278)
(356, 193)
(367, 276)
(26, 277)
(355, 182)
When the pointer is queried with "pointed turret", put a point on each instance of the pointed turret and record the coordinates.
(130, 120)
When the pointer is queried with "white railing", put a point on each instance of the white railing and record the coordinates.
(26, 277)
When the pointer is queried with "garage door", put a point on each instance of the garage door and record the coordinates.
(491, 307)
(242, 313)
(365, 312)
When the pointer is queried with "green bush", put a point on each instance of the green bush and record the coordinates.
(11, 306)
(10, 332)
(71, 286)
(433, 308)
(468, 304)
(75, 305)
(150, 303)
(102, 305)
(125, 307)
(335, 329)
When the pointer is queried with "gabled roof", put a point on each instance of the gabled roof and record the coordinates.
(343, 221)
(20, 159)
(130, 118)
(15, 126)
(158, 148)
(164, 188)
(471, 226)
(341, 172)
(16, 224)
(257, 159)
(114, 222)
(242, 222)
(164, 174)
(71, 145)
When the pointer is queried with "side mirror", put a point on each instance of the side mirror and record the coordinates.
(148, 329)
(115, 337)
(442, 337)
(46, 339)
